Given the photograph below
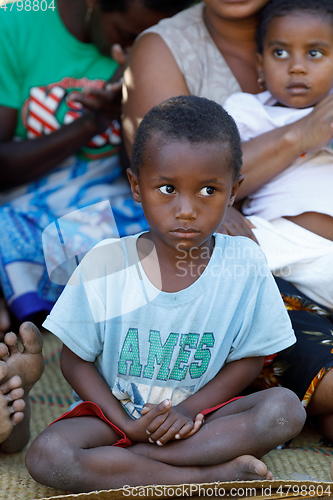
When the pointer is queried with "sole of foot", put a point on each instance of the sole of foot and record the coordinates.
(27, 366)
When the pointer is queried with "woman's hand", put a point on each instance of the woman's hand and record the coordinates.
(235, 224)
(316, 129)
(105, 103)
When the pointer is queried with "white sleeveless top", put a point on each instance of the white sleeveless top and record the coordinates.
(205, 71)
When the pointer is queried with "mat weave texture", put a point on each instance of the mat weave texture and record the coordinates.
(302, 461)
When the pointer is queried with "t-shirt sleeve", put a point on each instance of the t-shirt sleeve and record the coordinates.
(72, 321)
(266, 327)
(10, 63)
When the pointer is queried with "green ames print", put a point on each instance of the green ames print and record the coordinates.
(160, 354)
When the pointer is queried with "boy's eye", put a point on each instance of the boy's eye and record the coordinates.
(207, 191)
(281, 53)
(167, 189)
(315, 54)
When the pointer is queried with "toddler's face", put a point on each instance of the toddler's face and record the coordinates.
(297, 60)
(185, 189)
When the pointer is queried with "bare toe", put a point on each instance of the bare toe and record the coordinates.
(18, 406)
(4, 353)
(245, 468)
(31, 338)
(14, 395)
(17, 417)
(14, 382)
(10, 340)
(3, 370)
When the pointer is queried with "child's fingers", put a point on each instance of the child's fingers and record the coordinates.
(146, 408)
(175, 430)
(157, 415)
(182, 433)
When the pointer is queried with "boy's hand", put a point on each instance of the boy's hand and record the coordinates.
(175, 424)
(136, 429)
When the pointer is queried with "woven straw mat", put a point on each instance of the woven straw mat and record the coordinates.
(304, 460)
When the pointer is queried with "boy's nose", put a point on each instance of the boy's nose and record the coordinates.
(185, 209)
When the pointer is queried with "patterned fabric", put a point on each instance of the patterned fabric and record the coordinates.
(38, 73)
(205, 71)
(302, 366)
(25, 269)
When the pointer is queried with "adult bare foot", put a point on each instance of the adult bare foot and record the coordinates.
(11, 402)
(4, 318)
(29, 366)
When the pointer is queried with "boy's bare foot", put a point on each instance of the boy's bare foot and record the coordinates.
(29, 366)
(4, 318)
(11, 402)
(243, 468)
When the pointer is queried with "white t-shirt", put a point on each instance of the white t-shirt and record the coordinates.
(306, 185)
(151, 345)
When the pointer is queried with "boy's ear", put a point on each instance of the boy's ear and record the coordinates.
(260, 71)
(234, 190)
(134, 182)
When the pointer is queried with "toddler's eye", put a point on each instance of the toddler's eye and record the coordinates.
(167, 189)
(281, 53)
(207, 191)
(315, 54)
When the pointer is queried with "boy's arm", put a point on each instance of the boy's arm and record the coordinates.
(232, 379)
(89, 385)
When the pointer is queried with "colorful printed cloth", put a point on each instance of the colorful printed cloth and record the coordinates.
(67, 213)
(302, 366)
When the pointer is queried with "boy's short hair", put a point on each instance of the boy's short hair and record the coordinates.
(169, 7)
(189, 118)
(281, 8)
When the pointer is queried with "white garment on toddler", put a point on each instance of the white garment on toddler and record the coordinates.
(297, 255)
(306, 185)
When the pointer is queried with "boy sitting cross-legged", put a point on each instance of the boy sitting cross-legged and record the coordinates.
(166, 327)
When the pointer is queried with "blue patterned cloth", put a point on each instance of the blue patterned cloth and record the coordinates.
(47, 226)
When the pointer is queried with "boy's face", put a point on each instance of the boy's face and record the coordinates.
(184, 189)
(297, 61)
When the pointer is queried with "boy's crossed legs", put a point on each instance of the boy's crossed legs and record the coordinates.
(77, 454)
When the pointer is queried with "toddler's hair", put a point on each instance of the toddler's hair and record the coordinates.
(281, 8)
(169, 7)
(189, 118)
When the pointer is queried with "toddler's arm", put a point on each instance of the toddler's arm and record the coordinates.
(232, 379)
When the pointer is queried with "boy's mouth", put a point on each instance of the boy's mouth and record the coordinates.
(183, 232)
